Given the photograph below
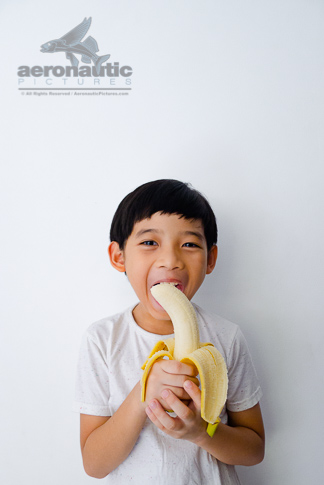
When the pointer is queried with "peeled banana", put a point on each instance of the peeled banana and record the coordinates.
(186, 347)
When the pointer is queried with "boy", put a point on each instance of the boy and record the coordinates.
(164, 231)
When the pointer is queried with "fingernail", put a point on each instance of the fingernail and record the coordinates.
(188, 384)
(153, 404)
(165, 393)
(148, 410)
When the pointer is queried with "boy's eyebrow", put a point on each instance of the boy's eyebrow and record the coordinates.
(145, 231)
(194, 233)
(140, 233)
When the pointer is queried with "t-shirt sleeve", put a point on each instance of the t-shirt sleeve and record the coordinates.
(244, 390)
(92, 379)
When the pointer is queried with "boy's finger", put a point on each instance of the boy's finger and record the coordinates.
(179, 392)
(175, 367)
(181, 410)
(194, 380)
(194, 392)
(160, 418)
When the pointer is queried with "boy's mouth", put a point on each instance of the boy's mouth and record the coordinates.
(174, 283)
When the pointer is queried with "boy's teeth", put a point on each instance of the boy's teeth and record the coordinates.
(167, 283)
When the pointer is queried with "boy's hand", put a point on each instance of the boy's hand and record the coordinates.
(169, 374)
(188, 424)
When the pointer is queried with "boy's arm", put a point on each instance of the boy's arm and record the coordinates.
(241, 442)
(107, 441)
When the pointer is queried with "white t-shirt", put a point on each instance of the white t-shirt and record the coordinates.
(112, 353)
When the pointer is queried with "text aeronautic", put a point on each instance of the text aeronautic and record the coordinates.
(110, 70)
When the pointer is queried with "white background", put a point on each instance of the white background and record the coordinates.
(225, 95)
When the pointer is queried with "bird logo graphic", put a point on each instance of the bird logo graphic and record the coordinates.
(71, 44)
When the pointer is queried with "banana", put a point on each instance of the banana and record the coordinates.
(186, 347)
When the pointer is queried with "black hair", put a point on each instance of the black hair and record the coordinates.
(168, 197)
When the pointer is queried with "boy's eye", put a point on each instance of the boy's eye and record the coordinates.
(149, 243)
(190, 245)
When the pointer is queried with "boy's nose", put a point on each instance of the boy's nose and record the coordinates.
(169, 259)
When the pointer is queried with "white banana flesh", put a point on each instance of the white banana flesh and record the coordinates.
(186, 347)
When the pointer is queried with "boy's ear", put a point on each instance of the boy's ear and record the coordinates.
(212, 258)
(116, 256)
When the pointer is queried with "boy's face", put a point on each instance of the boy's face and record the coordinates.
(163, 248)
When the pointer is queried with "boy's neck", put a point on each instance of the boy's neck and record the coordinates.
(151, 324)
